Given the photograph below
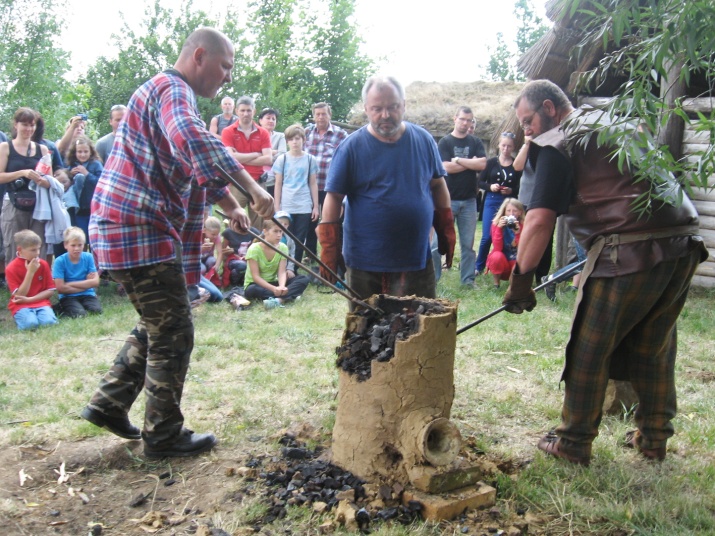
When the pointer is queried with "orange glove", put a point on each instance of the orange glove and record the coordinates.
(443, 223)
(330, 249)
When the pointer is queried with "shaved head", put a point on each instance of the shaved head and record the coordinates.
(209, 39)
(206, 61)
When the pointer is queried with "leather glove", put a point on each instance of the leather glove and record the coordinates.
(443, 223)
(330, 249)
(520, 296)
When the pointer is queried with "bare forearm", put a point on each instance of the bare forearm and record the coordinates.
(440, 194)
(520, 160)
(278, 191)
(332, 207)
(535, 236)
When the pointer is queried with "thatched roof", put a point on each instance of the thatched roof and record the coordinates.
(558, 56)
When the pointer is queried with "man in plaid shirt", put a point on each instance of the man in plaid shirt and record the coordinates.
(146, 205)
(321, 140)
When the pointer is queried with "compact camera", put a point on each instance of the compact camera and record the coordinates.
(511, 222)
(83, 117)
(18, 183)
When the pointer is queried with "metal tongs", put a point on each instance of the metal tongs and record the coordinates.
(354, 298)
(553, 281)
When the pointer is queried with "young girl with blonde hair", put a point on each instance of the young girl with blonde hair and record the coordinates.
(85, 168)
(505, 231)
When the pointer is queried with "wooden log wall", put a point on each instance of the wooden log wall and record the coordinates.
(704, 201)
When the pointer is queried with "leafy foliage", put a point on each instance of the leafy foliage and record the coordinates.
(342, 68)
(502, 59)
(32, 67)
(643, 40)
(291, 54)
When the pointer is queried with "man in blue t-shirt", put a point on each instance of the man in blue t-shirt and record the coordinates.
(392, 180)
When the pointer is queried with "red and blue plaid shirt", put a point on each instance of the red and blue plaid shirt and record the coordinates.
(322, 148)
(156, 180)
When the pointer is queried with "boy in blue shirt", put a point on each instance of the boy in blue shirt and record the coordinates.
(76, 277)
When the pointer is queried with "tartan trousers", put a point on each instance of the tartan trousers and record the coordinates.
(627, 322)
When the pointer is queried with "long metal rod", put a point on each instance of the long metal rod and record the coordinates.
(355, 300)
(310, 254)
(495, 312)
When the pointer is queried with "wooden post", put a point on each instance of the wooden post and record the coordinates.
(671, 89)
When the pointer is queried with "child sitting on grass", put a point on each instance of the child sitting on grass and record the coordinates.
(506, 230)
(76, 277)
(211, 254)
(266, 277)
(30, 283)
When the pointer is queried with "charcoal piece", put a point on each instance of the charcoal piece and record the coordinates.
(387, 514)
(331, 483)
(415, 506)
(362, 518)
(381, 333)
(385, 355)
(295, 453)
(288, 440)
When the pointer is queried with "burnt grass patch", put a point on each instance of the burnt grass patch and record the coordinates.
(376, 337)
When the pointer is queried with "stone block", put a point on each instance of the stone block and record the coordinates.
(437, 480)
(452, 504)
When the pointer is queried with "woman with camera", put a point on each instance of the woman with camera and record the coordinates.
(505, 232)
(499, 180)
(18, 159)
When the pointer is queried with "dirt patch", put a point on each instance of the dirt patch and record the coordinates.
(104, 486)
(705, 376)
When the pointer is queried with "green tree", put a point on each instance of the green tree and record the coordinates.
(32, 66)
(502, 59)
(530, 27)
(501, 66)
(343, 68)
(644, 40)
(142, 54)
(283, 78)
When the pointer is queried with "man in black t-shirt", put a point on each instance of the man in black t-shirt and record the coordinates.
(463, 156)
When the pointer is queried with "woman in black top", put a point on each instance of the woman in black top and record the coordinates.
(18, 159)
(499, 180)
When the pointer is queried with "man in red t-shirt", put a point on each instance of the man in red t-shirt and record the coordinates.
(250, 145)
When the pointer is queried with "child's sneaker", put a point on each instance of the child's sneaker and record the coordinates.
(239, 302)
(272, 303)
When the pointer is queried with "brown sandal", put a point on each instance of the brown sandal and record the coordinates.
(550, 445)
(632, 440)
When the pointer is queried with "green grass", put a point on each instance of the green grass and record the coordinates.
(256, 372)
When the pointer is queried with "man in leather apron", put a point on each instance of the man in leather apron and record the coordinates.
(635, 282)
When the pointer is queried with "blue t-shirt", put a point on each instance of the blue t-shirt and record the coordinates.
(63, 268)
(389, 208)
(296, 170)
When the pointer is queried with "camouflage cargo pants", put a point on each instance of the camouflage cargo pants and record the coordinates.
(156, 354)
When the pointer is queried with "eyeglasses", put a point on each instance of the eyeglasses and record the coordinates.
(527, 123)
(508, 135)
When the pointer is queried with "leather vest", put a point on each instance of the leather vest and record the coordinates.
(602, 206)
